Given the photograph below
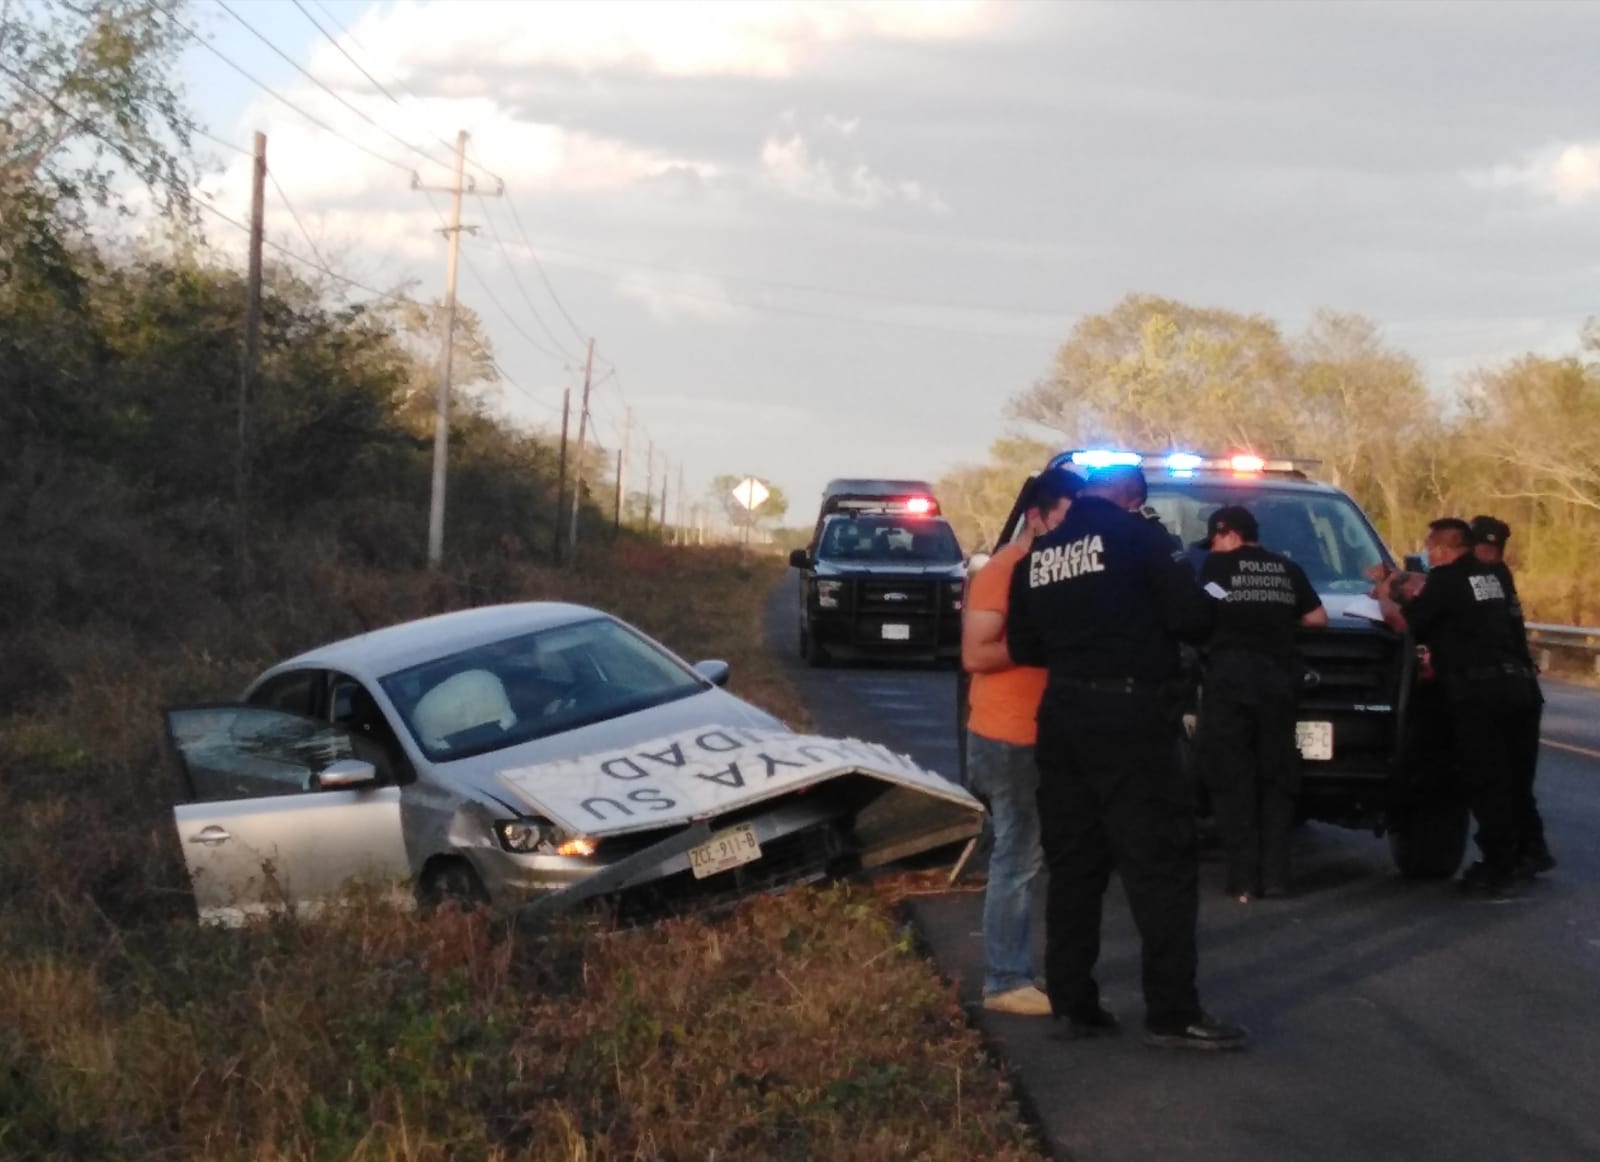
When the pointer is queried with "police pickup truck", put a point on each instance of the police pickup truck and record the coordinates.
(1364, 761)
(882, 577)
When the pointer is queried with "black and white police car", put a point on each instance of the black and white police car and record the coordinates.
(1361, 719)
(883, 576)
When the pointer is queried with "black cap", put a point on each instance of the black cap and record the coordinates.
(1486, 530)
(1232, 518)
(1051, 486)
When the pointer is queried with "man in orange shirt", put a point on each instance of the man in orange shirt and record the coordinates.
(1001, 726)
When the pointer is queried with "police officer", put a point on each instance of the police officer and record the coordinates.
(1489, 536)
(1252, 681)
(1102, 602)
(1462, 613)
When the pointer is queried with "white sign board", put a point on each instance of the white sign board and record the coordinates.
(751, 493)
(705, 772)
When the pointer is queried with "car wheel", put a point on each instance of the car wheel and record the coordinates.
(448, 881)
(1429, 841)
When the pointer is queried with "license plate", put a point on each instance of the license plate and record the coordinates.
(897, 633)
(1315, 740)
(724, 850)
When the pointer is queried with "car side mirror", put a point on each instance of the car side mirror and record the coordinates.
(799, 559)
(347, 774)
(1415, 564)
(715, 672)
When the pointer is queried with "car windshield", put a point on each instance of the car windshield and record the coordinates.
(534, 685)
(887, 539)
(1322, 532)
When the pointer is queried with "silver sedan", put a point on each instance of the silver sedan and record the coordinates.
(381, 758)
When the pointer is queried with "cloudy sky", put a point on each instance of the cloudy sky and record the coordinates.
(820, 239)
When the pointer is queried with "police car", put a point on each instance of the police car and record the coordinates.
(1360, 730)
(882, 577)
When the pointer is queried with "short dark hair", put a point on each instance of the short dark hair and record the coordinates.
(1488, 530)
(1453, 532)
(1233, 518)
(1123, 483)
(1052, 486)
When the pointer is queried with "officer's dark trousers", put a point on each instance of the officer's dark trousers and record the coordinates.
(1111, 794)
(1483, 725)
(1523, 742)
(1253, 766)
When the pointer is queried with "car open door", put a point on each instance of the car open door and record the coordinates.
(278, 812)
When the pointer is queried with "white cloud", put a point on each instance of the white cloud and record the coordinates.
(789, 166)
(669, 295)
(755, 38)
(1566, 174)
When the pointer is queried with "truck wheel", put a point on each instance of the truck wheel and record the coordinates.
(813, 654)
(1429, 841)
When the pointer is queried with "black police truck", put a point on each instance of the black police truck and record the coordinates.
(882, 577)
(1365, 761)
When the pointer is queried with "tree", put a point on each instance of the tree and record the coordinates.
(977, 498)
(1157, 374)
(89, 91)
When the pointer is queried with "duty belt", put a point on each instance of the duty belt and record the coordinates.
(1116, 685)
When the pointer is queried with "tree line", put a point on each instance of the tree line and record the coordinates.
(1517, 440)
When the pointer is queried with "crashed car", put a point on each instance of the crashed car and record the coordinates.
(506, 754)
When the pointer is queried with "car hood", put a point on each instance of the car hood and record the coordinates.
(1351, 610)
(480, 774)
(930, 569)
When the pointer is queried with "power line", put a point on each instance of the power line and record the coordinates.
(279, 97)
(334, 20)
(303, 71)
(296, 216)
(215, 140)
(539, 266)
(523, 290)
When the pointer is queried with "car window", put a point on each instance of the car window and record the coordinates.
(250, 752)
(352, 706)
(1322, 532)
(294, 692)
(886, 539)
(534, 685)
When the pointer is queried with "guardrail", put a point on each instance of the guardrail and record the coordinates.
(1546, 639)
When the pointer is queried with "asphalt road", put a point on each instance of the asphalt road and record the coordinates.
(1391, 1020)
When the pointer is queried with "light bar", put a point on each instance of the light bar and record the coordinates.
(1183, 462)
(1245, 462)
(920, 505)
(1106, 458)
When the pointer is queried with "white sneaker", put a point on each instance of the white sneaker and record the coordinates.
(1026, 1001)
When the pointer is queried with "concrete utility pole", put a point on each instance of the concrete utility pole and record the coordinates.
(649, 482)
(577, 463)
(665, 472)
(441, 421)
(561, 475)
(249, 363)
(681, 518)
(616, 515)
(622, 463)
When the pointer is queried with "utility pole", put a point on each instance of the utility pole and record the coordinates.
(622, 463)
(649, 482)
(577, 464)
(682, 515)
(616, 519)
(561, 474)
(665, 529)
(250, 362)
(441, 422)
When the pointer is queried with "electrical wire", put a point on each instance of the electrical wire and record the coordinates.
(516, 219)
(308, 75)
(523, 290)
(293, 213)
(280, 98)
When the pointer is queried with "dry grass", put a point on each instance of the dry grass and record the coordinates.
(804, 1026)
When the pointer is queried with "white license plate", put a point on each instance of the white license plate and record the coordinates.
(725, 849)
(1315, 740)
(897, 633)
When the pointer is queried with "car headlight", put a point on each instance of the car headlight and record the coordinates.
(535, 837)
(828, 594)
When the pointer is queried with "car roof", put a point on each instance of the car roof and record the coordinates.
(1266, 481)
(864, 487)
(396, 647)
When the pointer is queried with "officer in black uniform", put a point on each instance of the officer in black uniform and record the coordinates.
(1463, 615)
(1489, 536)
(1102, 602)
(1252, 684)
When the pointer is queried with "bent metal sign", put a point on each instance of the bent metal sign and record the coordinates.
(702, 773)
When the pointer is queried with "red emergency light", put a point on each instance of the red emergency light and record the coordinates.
(1245, 464)
(919, 505)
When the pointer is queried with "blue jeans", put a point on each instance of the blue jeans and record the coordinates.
(1005, 777)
